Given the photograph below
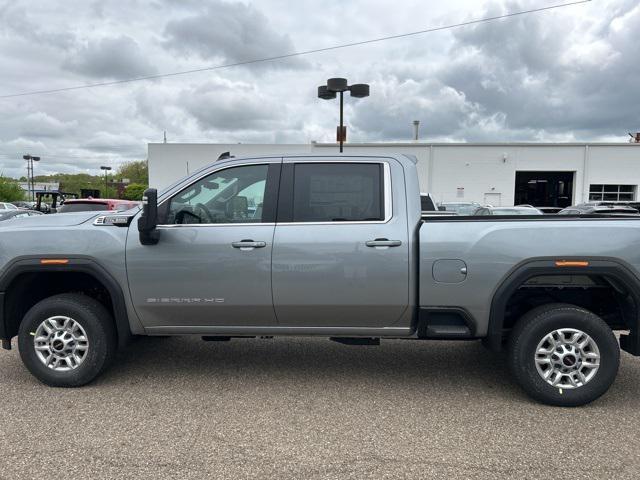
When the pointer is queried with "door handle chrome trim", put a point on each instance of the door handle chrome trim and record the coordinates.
(248, 244)
(383, 242)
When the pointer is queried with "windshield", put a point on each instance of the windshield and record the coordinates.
(82, 207)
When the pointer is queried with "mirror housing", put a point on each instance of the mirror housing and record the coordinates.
(148, 221)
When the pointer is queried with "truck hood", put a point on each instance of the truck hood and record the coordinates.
(51, 220)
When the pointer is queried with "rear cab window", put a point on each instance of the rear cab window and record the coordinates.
(337, 192)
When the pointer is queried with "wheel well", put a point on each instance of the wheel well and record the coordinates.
(598, 293)
(28, 288)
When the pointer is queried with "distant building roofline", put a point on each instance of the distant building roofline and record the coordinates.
(417, 144)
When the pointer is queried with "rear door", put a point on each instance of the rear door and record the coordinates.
(341, 253)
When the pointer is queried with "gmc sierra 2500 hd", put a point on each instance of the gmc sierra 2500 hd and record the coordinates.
(330, 246)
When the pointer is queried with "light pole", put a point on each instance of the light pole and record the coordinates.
(106, 187)
(339, 85)
(30, 180)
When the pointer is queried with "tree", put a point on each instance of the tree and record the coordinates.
(135, 172)
(134, 191)
(10, 190)
(74, 182)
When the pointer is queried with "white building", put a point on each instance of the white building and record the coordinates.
(27, 187)
(541, 174)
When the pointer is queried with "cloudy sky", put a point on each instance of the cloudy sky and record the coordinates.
(562, 75)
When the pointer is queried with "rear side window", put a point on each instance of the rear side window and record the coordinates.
(338, 192)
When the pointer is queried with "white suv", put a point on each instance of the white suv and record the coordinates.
(7, 206)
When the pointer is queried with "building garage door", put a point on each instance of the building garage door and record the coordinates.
(544, 189)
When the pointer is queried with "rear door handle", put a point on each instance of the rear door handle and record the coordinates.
(248, 244)
(383, 242)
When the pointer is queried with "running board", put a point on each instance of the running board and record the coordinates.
(355, 340)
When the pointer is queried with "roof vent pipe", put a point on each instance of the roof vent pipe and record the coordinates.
(416, 126)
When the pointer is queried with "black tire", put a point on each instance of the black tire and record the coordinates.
(94, 319)
(541, 321)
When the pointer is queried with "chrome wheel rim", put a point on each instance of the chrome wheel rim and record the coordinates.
(61, 343)
(567, 358)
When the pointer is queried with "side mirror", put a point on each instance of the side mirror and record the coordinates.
(148, 221)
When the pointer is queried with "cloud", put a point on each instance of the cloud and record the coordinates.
(564, 75)
(229, 106)
(230, 32)
(550, 73)
(111, 58)
(41, 124)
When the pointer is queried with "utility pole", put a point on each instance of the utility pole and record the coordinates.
(106, 186)
(30, 180)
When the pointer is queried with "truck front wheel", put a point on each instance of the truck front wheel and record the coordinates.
(563, 355)
(67, 340)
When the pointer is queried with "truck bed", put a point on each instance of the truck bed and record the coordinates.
(464, 260)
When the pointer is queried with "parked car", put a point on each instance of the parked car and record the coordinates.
(47, 201)
(13, 214)
(459, 208)
(24, 205)
(549, 210)
(587, 209)
(429, 208)
(605, 203)
(507, 211)
(96, 204)
(338, 249)
(7, 206)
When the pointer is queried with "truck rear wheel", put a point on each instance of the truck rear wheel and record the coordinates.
(563, 355)
(67, 340)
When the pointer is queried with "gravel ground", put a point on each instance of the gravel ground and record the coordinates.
(310, 409)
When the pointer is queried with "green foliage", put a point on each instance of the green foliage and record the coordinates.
(73, 183)
(136, 172)
(134, 191)
(10, 190)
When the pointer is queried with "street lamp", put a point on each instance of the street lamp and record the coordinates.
(30, 180)
(339, 85)
(106, 187)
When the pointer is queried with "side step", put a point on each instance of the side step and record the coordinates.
(355, 340)
(447, 331)
(445, 324)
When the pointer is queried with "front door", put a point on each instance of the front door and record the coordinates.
(341, 253)
(212, 264)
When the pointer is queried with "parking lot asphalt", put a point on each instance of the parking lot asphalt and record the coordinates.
(308, 409)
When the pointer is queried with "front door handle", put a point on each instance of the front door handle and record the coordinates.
(248, 244)
(383, 242)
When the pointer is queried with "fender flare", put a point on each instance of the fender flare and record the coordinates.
(532, 268)
(75, 264)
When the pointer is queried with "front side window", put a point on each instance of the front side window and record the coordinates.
(233, 195)
(338, 192)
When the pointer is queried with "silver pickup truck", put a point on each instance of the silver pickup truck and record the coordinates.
(326, 246)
